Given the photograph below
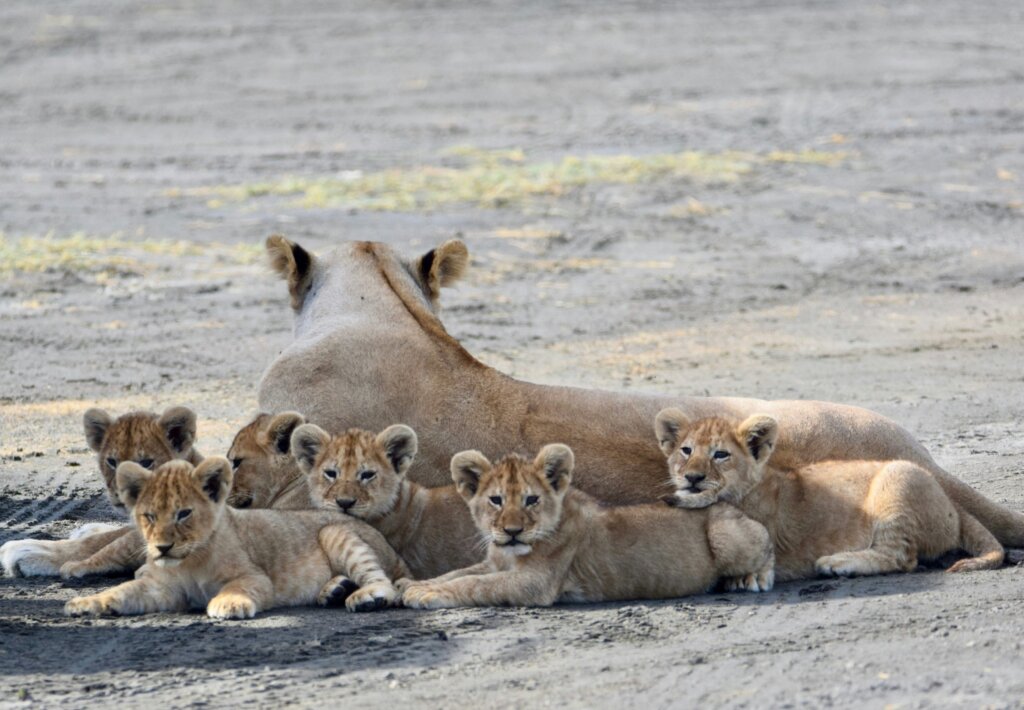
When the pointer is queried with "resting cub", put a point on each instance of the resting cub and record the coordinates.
(364, 475)
(145, 438)
(236, 563)
(265, 472)
(835, 517)
(550, 542)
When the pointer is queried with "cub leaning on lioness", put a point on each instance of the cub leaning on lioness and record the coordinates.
(235, 563)
(363, 474)
(550, 542)
(834, 517)
(145, 438)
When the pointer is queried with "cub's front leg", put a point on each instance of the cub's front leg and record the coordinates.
(139, 596)
(511, 588)
(354, 561)
(125, 554)
(242, 598)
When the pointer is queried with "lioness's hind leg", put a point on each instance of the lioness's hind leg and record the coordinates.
(979, 542)
(907, 509)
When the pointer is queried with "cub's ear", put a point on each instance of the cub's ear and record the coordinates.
(214, 476)
(96, 423)
(130, 478)
(557, 462)
(281, 428)
(179, 425)
(442, 267)
(307, 443)
(758, 433)
(294, 264)
(400, 444)
(667, 426)
(467, 468)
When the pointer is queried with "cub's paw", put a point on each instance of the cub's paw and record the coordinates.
(372, 597)
(844, 564)
(758, 582)
(75, 570)
(231, 606)
(425, 596)
(703, 499)
(336, 591)
(403, 583)
(28, 558)
(95, 605)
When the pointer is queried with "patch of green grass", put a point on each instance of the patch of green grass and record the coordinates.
(499, 178)
(83, 253)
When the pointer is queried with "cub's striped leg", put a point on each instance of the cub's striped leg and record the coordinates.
(354, 559)
(125, 554)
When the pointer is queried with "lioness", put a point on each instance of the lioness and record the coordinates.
(363, 299)
(200, 552)
(145, 438)
(363, 475)
(550, 542)
(834, 517)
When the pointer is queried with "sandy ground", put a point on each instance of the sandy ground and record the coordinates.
(851, 231)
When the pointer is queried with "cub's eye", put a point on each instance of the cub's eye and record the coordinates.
(330, 474)
(532, 500)
(183, 514)
(720, 455)
(112, 462)
(495, 500)
(146, 463)
(149, 517)
(367, 475)
(235, 463)
(686, 450)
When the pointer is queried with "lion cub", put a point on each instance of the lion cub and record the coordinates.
(266, 474)
(834, 517)
(200, 552)
(145, 438)
(363, 474)
(550, 542)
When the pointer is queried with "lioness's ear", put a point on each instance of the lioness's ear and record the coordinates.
(442, 267)
(558, 462)
(759, 433)
(400, 444)
(214, 476)
(281, 428)
(467, 468)
(307, 443)
(294, 264)
(667, 426)
(179, 425)
(130, 477)
(96, 423)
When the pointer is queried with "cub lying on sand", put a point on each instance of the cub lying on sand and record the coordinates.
(363, 474)
(236, 563)
(145, 438)
(834, 517)
(551, 542)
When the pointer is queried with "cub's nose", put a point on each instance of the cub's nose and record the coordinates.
(164, 549)
(345, 503)
(694, 477)
(512, 532)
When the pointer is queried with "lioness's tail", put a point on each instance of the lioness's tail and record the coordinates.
(1007, 525)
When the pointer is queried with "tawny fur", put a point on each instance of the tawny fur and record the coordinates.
(362, 306)
(146, 438)
(363, 474)
(266, 474)
(237, 563)
(550, 542)
(833, 517)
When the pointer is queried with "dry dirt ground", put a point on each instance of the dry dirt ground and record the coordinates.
(814, 200)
